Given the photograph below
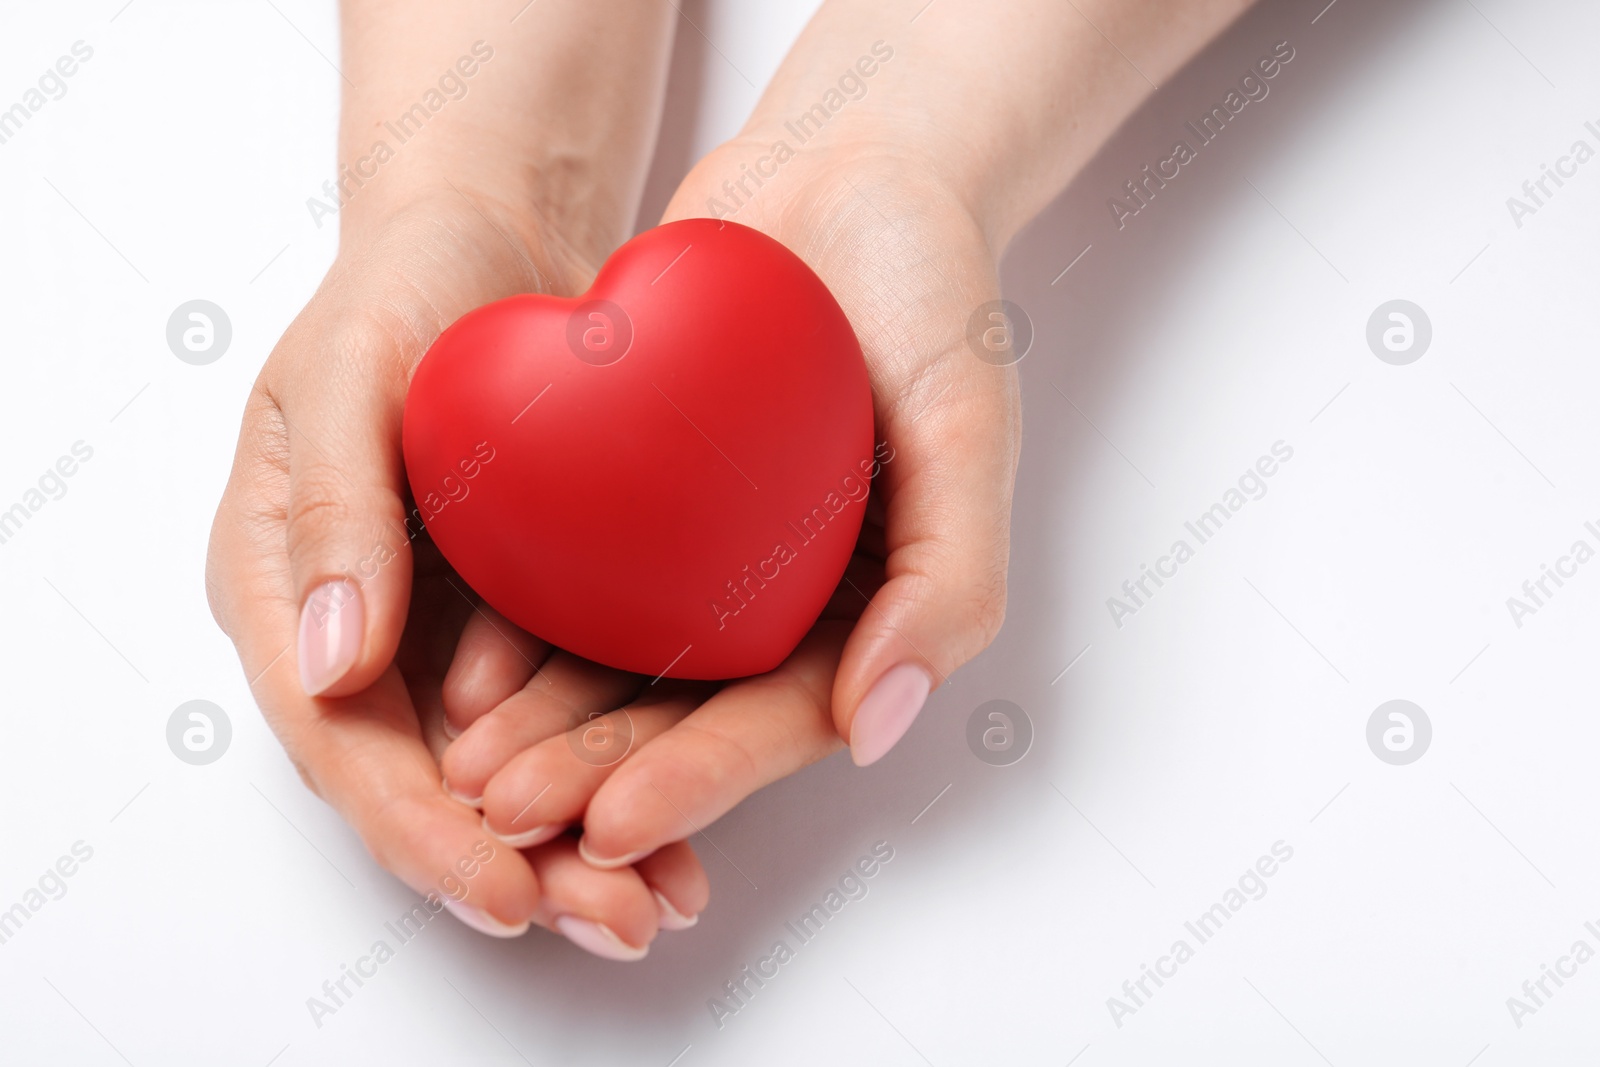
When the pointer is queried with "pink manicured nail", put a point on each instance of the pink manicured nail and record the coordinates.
(887, 711)
(604, 864)
(672, 918)
(482, 921)
(598, 939)
(331, 625)
(527, 838)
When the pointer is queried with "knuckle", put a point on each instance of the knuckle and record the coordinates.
(316, 497)
(977, 597)
(336, 524)
(722, 759)
(316, 509)
(249, 517)
(989, 610)
(985, 602)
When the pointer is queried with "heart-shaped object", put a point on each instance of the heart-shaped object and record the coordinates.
(666, 474)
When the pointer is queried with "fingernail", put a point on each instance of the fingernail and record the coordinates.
(471, 802)
(887, 711)
(528, 838)
(482, 921)
(608, 864)
(450, 730)
(672, 918)
(331, 625)
(598, 938)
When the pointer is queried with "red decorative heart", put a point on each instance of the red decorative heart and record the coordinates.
(666, 474)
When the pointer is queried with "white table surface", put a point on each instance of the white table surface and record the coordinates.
(1227, 715)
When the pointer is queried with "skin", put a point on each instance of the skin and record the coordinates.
(317, 486)
(903, 205)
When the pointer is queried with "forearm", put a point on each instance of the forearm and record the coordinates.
(551, 117)
(1004, 99)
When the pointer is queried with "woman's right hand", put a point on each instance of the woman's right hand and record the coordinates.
(487, 151)
(345, 620)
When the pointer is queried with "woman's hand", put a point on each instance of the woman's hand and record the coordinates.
(521, 169)
(925, 590)
(898, 150)
(346, 619)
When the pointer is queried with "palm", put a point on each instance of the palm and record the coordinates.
(875, 242)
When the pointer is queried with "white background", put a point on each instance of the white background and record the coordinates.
(1228, 714)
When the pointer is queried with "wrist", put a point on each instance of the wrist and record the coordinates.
(773, 177)
(557, 239)
(511, 119)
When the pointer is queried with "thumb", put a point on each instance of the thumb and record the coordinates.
(348, 541)
(947, 482)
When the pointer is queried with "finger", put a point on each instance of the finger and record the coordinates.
(545, 788)
(947, 486)
(953, 422)
(565, 691)
(339, 390)
(494, 658)
(363, 754)
(748, 735)
(612, 914)
(678, 881)
(439, 613)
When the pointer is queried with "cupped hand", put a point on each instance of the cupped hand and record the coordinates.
(900, 179)
(925, 591)
(346, 620)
